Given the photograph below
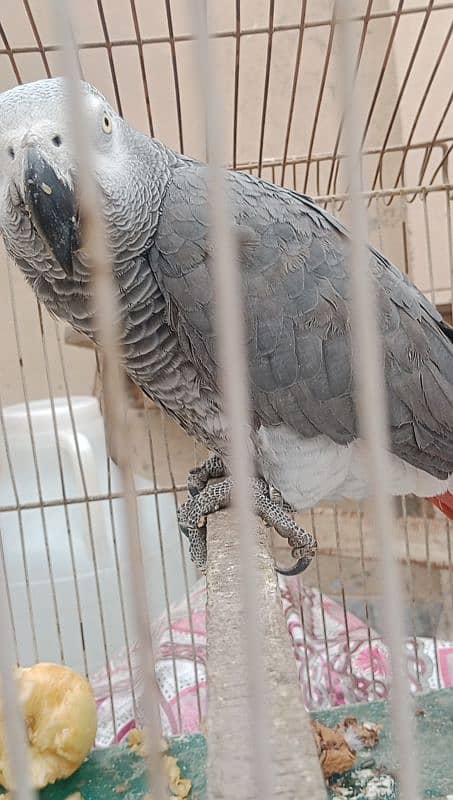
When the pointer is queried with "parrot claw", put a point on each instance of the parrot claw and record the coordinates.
(275, 512)
(272, 509)
(198, 478)
(192, 515)
(197, 545)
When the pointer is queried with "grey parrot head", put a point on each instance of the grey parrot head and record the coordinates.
(39, 210)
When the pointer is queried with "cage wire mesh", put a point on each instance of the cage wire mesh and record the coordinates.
(63, 541)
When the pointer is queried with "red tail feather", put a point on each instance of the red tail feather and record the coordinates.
(444, 502)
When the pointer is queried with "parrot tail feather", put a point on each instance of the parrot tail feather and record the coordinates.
(444, 502)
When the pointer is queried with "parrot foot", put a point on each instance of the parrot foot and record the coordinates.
(276, 497)
(192, 519)
(198, 478)
(278, 514)
(192, 515)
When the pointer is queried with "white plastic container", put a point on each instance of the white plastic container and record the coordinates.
(60, 559)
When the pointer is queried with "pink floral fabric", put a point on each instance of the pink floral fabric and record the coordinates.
(340, 661)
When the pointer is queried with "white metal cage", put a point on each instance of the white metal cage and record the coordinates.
(280, 69)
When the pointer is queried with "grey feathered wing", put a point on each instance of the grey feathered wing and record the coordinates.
(294, 264)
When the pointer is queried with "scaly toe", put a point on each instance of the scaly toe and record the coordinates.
(197, 547)
(303, 550)
(199, 477)
(195, 482)
(275, 496)
(192, 517)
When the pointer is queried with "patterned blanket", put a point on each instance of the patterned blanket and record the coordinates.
(340, 661)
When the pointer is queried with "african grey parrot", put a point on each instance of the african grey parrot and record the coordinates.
(294, 263)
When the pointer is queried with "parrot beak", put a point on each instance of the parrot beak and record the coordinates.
(52, 208)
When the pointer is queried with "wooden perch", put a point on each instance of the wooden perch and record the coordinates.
(295, 761)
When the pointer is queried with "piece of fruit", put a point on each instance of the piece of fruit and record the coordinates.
(61, 721)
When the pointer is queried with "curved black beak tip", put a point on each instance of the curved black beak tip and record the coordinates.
(52, 207)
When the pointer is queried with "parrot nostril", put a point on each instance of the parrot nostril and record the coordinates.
(56, 140)
(11, 153)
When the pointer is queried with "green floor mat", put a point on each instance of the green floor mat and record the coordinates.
(434, 734)
(119, 773)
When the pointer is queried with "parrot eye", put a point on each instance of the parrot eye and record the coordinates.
(106, 124)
